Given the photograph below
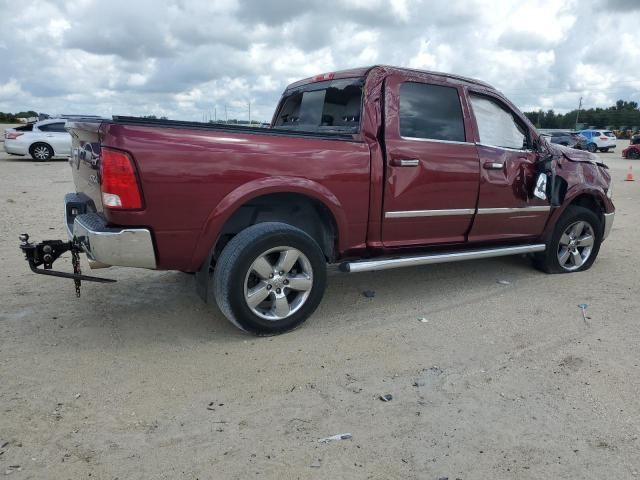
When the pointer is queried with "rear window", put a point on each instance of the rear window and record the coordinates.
(333, 105)
(430, 112)
(25, 128)
(609, 134)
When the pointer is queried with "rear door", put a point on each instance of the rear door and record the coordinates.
(432, 168)
(57, 137)
(506, 207)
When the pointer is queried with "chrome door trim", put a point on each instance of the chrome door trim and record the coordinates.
(434, 140)
(535, 208)
(430, 213)
(389, 263)
(522, 150)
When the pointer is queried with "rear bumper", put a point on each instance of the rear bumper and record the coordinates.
(608, 224)
(105, 245)
(14, 148)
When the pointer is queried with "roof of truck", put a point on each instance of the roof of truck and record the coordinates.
(363, 71)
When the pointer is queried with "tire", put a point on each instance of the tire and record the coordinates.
(41, 152)
(241, 269)
(634, 154)
(559, 247)
(604, 150)
(592, 147)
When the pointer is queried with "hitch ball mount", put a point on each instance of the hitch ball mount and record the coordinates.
(48, 251)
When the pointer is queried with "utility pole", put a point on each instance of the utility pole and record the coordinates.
(249, 112)
(226, 116)
(215, 114)
(578, 114)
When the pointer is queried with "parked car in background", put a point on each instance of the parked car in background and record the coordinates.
(42, 140)
(371, 168)
(632, 151)
(602, 140)
(566, 138)
(635, 139)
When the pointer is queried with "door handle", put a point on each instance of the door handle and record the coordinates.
(406, 162)
(493, 165)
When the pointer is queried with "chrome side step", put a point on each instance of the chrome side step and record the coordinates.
(397, 262)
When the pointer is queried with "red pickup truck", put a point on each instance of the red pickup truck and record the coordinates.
(371, 168)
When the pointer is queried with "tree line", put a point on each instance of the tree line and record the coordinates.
(621, 116)
(13, 117)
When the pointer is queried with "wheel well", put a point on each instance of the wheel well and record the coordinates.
(591, 202)
(306, 213)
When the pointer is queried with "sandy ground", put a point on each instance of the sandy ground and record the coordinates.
(141, 380)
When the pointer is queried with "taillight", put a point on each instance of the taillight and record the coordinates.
(604, 138)
(12, 135)
(119, 184)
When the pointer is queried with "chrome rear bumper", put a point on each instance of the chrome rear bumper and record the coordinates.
(104, 245)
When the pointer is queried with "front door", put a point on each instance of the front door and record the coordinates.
(432, 168)
(506, 207)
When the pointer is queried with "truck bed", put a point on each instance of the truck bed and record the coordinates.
(194, 176)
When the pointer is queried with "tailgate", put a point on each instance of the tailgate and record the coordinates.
(85, 159)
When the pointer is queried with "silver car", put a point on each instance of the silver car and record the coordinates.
(42, 140)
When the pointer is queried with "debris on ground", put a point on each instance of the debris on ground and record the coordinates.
(386, 398)
(423, 320)
(12, 468)
(504, 282)
(333, 438)
(583, 307)
(369, 293)
(77, 395)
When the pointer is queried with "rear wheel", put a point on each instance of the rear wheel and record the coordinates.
(592, 147)
(604, 150)
(574, 244)
(269, 278)
(41, 152)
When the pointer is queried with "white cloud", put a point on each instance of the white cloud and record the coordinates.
(184, 58)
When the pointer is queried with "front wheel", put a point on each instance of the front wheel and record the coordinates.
(269, 278)
(574, 244)
(634, 154)
(592, 147)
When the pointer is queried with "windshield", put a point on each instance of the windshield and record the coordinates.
(333, 105)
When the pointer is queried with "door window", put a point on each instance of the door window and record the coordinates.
(496, 125)
(52, 127)
(430, 111)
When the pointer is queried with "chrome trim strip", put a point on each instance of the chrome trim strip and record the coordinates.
(389, 263)
(608, 224)
(480, 144)
(536, 208)
(435, 140)
(430, 213)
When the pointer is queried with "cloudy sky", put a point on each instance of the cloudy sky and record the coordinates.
(185, 59)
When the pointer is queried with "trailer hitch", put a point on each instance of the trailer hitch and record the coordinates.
(48, 251)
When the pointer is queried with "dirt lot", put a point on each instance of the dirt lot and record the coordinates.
(141, 380)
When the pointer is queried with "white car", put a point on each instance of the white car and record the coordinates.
(42, 140)
(602, 140)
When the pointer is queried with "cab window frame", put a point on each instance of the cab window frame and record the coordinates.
(459, 94)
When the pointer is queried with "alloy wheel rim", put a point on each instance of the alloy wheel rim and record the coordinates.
(278, 283)
(41, 153)
(576, 245)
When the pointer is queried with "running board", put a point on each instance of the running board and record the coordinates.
(397, 262)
